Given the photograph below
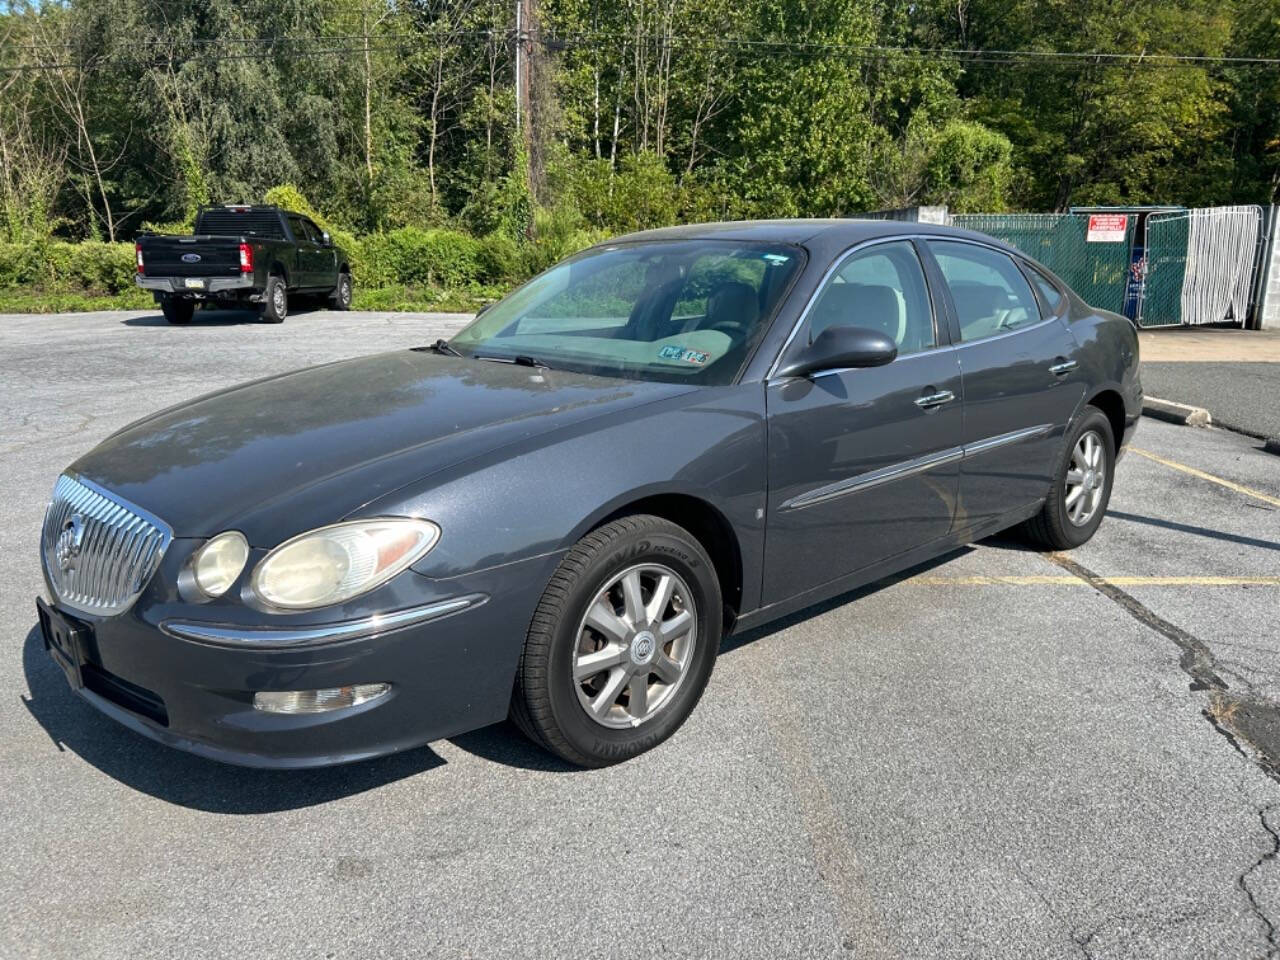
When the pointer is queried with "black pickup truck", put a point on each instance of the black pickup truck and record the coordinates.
(243, 256)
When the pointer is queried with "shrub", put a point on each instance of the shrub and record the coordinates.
(94, 265)
(414, 257)
(56, 265)
(499, 260)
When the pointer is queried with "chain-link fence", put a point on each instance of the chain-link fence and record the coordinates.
(1098, 272)
(1165, 268)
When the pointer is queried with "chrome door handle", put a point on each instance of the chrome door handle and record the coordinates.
(931, 400)
(1058, 369)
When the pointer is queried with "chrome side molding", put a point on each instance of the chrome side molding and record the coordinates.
(908, 468)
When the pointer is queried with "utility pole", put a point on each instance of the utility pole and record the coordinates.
(520, 78)
(528, 75)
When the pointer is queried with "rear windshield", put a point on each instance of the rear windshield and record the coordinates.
(241, 223)
(671, 310)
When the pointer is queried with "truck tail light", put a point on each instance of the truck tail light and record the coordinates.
(246, 259)
(137, 252)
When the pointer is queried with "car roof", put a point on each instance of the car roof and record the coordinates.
(842, 231)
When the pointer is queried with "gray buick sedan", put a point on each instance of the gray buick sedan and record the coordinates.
(559, 514)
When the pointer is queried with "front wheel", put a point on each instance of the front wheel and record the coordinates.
(340, 299)
(275, 300)
(622, 643)
(1081, 490)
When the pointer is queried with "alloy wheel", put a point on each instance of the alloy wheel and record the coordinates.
(1086, 478)
(634, 646)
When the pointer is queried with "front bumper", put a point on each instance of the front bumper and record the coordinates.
(179, 285)
(451, 671)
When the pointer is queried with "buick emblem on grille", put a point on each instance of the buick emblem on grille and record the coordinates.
(69, 543)
(191, 258)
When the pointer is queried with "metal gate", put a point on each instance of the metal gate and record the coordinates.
(1200, 265)
(1096, 271)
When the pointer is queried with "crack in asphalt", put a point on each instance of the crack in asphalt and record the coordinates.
(1273, 946)
(1240, 718)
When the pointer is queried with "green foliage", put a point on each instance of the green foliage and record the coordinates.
(413, 256)
(88, 267)
(642, 115)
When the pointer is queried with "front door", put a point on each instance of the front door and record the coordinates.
(1019, 387)
(863, 464)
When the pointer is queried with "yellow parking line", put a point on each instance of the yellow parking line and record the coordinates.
(1067, 580)
(1174, 465)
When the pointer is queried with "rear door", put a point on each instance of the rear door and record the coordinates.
(305, 272)
(1019, 388)
(863, 464)
(325, 267)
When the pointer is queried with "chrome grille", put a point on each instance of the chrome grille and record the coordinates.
(99, 551)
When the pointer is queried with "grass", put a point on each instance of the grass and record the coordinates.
(394, 299)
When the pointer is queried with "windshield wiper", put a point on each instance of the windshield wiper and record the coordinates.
(442, 346)
(520, 360)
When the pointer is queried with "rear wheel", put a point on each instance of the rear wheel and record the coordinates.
(177, 310)
(340, 299)
(1081, 490)
(275, 300)
(622, 643)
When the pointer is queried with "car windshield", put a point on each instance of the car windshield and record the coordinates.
(686, 310)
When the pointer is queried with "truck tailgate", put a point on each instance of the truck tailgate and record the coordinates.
(191, 256)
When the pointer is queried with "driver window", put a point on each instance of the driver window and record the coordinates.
(990, 293)
(883, 289)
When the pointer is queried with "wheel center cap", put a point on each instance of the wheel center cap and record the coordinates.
(643, 646)
(1090, 480)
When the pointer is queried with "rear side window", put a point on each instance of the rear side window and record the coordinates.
(882, 289)
(990, 293)
(1052, 295)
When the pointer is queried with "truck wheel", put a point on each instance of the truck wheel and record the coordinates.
(275, 301)
(340, 299)
(622, 643)
(177, 310)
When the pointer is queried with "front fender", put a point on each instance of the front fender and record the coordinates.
(539, 496)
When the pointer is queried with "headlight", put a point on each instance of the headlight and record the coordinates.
(336, 563)
(216, 565)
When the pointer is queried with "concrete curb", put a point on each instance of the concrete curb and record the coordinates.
(1176, 412)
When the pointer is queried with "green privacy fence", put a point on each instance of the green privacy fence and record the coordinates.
(1166, 269)
(1098, 272)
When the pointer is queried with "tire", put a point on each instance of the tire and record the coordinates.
(340, 299)
(554, 709)
(1063, 525)
(275, 300)
(177, 310)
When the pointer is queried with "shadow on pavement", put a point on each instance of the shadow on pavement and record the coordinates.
(1198, 531)
(182, 778)
(738, 640)
(201, 318)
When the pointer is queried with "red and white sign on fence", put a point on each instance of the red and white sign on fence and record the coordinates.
(1107, 227)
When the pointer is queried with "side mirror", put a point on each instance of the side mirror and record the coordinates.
(326, 238)
(836, 348)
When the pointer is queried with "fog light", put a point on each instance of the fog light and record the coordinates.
(318, 701)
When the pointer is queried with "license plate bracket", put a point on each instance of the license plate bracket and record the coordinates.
(65, 638)
(194, 283)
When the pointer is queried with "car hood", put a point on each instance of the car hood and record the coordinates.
(286, 454)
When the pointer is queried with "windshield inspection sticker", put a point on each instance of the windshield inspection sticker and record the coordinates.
(680, 353)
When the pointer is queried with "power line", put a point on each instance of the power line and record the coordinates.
(340, 44)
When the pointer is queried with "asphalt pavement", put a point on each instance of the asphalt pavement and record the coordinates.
(1002, 754)
(1241, 396)
(1232, 373)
